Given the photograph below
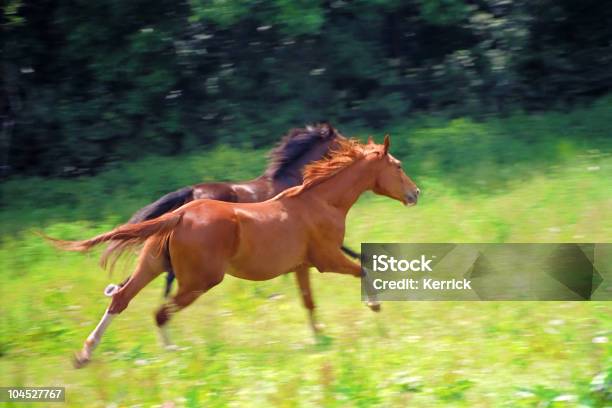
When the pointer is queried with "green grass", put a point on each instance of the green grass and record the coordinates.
(244, 345)
(248, 343)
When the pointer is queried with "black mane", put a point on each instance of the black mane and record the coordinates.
(295, 144)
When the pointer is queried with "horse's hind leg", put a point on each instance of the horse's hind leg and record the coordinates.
(180, 301)
(187, 293)
(148, 268)
(199, 256)
(168, 287)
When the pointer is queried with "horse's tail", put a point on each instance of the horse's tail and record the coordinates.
(161, 206)
(166, 203)
(125, 236)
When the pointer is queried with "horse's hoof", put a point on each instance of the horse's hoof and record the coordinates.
(171, 347)
(80, 360)
(374, 306)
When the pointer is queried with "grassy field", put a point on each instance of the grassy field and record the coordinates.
(248, 344)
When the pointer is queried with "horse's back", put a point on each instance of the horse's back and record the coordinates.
(214, 191)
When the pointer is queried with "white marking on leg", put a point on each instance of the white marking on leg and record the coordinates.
(165, 338)
(94, 337)
(111, 289)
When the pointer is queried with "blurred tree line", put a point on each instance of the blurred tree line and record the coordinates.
(84, 83)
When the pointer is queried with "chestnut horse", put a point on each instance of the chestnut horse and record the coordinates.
(298, 148)
(301, 227)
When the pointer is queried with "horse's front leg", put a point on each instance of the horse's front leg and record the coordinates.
(302, 276)
(335, 261)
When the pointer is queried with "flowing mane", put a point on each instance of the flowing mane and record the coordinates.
(344, 153)
(296, 143)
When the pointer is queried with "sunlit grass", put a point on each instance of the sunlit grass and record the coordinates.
(248, 344)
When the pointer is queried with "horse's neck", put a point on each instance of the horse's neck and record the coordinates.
(343, 189)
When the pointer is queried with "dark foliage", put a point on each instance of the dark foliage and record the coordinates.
(85, 83)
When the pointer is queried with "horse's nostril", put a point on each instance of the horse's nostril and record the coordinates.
(412, 197)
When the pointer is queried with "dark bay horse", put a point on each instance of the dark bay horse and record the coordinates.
(298, 148)
(299, 228)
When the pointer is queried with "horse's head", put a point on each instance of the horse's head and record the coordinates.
(391, 181)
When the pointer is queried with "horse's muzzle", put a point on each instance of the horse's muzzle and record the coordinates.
(412, 197)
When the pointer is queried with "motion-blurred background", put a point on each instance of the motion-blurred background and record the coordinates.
(499, 109)
(88, 83)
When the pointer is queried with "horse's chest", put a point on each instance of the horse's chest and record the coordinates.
(329, 228)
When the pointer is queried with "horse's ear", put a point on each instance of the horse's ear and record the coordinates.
(370, 139)
(386, 144)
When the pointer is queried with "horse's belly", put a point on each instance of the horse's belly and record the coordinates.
(256, 274)
(265, 263)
